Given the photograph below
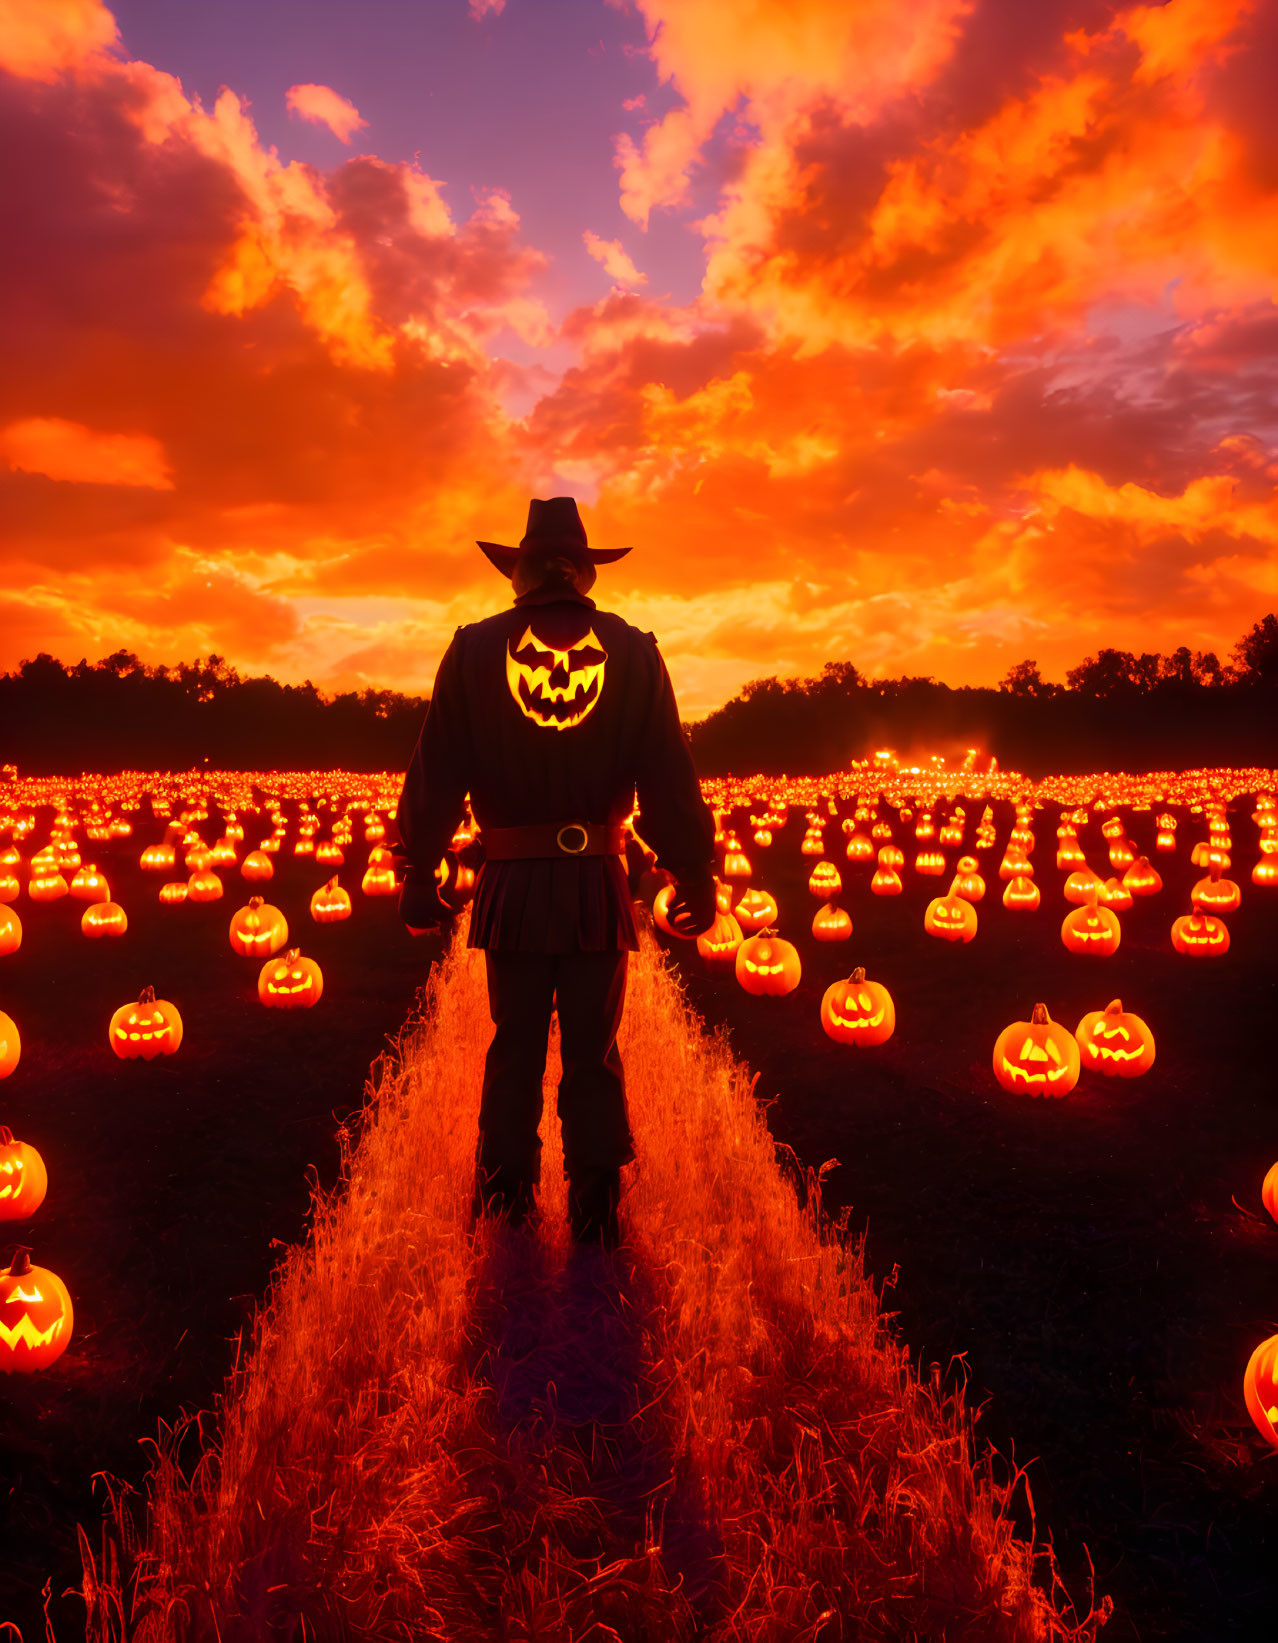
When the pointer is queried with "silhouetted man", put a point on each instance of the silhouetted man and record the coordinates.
(551, 716)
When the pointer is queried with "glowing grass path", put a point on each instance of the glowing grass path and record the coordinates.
(436, 1436)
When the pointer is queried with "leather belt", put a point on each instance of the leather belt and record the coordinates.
(549, 839)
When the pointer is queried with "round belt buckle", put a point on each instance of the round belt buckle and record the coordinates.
(568, 836)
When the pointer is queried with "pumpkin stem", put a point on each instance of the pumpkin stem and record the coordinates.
(857, 976)
(255, 902)
(292, 956)
(1114, 1007)
(20, 1265)
(1040, 1017)
(6, 1136)
(332, 884)
(147, 995)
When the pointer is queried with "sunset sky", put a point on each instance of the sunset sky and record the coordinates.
(928, 334)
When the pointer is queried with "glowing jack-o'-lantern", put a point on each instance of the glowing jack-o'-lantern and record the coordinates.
(1038, 1056)
(10, 930)
(1142, 879)
(719, 943)
(146, 1029)
(825, 881)
(330, 853)
(257, 865)
(860, 848)
(205, 886)
(330, 903)
(1200, 934)
(765, 964)
(832, 923)
(736, 864)
(90, 885)
(1081, 883)
(724, 895)
(47, 885)
(258, 929)
(931, 862)
(968, 882)
(291, 982)
(36, 1316)
(857, 1011)
(104, 918)
(1115, 895)
(661, 911)
(1219, 894)
(1022, 894)
(1265, 871)
(1115, 1042)
(1260, 1389)
(886, 882)
(10, 887)
(755, 910)
(555, 679)
(1269, 1192)
(10, 1044)
(1092, 928)
(158, 858)
(379, 879)
(173, 894)
(951, 917)
(23, 1178)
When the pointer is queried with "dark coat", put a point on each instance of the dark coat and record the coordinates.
(554, 711)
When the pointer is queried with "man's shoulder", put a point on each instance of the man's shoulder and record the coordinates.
(603, 621)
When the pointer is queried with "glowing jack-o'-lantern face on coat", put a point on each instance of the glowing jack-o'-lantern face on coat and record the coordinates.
(1037, 1057)
(555, 685)
(36, 1315)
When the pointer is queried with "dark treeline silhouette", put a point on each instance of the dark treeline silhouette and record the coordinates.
(119, 714)
(1117, 711)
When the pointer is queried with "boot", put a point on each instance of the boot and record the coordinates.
(593, 1196)
(505, 1195)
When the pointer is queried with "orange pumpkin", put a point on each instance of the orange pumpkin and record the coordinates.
(857, 1011)
(36, 1316)
(90, 885)
(10, 1044)
(931, 862)
(1115, 895)
(886, 882)
(1115, 1042)
(47, 885)
(765, 964)
(755, 911)
(860, 848)
(1082, 882)
(258, 930)
(1260, 1389)
(1220, 895)
(10, 930)
(257, 865)
(1021, 894)
(719, 943)
(1269, 1192)
(172, 895)
(951, 918)
(968, 882)
(1038, 1056)
(1200, 934)
(832, 923)
(1142, 879)
(104, 918)
(146, 1029)
(330, 903)
(204, 886)
(379, 880)
(825, 881)
(291, 982)
(23, 1178)
(1091, 928)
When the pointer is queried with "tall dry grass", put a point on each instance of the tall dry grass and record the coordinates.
(440, 1435)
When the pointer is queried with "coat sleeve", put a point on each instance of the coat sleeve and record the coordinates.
(673, 817)
(432, 801)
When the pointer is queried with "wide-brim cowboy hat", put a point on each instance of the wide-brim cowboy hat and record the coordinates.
(554, 525)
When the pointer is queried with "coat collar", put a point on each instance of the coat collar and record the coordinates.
(554, 596)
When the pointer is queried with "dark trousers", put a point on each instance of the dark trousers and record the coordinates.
(589, 992)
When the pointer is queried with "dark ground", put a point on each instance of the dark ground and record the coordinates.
(1087, 1256)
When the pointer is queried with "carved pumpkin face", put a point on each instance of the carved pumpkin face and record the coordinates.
(1114, 1042)
(555, 684)
(158, 858)
(832, 923)
(857, 1011)
(258, 929)
(930, 861)
(1037, 1057)
(330, 903)
(1091, 928)
(767, 965)
(755, 911)
(23, 1178)
(36, 1316)
(951, 917)
(825, 881)
(146, 1029)
(1200, 934)
(1260, 1389)
(719, 943)
(1221, 895)
(291, 982)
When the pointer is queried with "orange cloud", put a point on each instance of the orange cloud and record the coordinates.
(323, 106)
(42, 41)
(58, 449)
(613, 258)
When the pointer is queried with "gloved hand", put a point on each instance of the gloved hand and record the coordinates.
(692, 910)
(420, 904)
